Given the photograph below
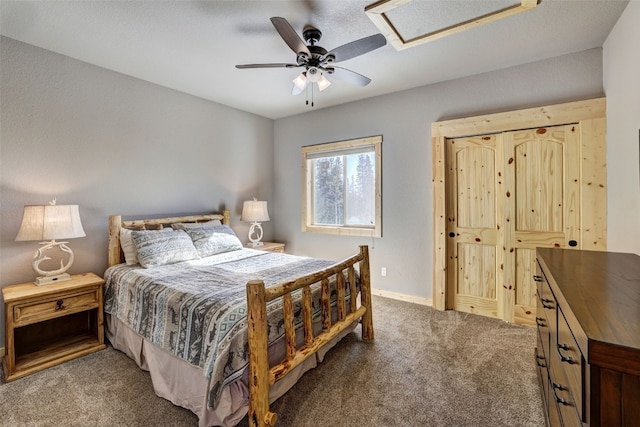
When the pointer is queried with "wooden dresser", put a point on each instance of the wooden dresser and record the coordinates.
(588, 352)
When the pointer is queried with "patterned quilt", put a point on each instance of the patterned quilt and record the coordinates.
(196, 310)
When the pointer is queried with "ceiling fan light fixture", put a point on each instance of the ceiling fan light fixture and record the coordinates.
(313, 74)
(300, 81)
(323, 83)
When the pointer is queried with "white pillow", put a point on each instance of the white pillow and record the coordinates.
(129, 248)
(160, 248)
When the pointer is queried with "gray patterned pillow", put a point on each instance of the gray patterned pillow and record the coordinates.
(129, 248)
(185, 225)
(163, 247)
(214, 240)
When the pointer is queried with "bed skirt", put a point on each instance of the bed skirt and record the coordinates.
(186, 386)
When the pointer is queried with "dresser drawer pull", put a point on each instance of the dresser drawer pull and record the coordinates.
(540, 322)
(546, 303)
(567, 359)
(540, 361)
(537, 278)
(59, 305)
(560, 400)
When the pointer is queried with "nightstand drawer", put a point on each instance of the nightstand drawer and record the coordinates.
(37, 311)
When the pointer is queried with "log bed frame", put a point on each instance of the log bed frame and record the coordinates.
(261, 377)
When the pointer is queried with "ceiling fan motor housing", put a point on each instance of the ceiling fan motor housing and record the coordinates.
(311, 35)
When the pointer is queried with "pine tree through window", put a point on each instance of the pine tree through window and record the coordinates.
(342, 187)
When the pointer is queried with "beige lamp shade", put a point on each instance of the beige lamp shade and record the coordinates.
(254, 211)
(50, 222)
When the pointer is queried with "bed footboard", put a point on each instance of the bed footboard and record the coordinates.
(261, 377)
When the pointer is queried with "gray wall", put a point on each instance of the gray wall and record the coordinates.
(115, 144)
(404, 119)
(621, 63)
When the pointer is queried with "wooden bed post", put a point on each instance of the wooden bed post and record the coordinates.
(365, 294)
(259, 414)
(115, 223)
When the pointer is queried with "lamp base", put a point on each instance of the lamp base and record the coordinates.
(254, 244)
(45, 280)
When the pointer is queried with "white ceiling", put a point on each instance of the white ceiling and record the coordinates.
(193, 46)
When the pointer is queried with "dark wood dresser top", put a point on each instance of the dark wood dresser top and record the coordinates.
(603, 291)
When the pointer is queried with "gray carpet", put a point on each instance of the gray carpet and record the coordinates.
(425, 368)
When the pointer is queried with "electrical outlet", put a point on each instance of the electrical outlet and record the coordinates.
(383, 271)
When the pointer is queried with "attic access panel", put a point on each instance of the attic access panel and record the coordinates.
(388, 16)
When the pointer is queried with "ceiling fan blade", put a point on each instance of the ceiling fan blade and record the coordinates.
(348, 76)
(274, 65)
(357, 47)
(289, 35)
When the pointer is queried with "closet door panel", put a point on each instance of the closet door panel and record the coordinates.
(542, 202)
(472, 225)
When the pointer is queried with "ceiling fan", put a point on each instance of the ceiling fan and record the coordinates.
(316, 61)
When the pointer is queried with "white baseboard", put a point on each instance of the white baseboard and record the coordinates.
(402, 297)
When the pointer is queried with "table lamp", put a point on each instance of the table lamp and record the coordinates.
(255, 211)
(50, 222)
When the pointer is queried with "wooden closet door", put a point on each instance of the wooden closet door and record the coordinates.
(473, 254)
(557, 184)
(506, 195)
(541, 208)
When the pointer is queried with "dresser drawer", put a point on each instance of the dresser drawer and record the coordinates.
(562, 394)
(543, 368)
(34, 311)
(545, 295)
(571, 361)
(544, 324)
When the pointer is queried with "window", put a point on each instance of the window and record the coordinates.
(342, 187)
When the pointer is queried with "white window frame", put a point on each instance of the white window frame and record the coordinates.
(333, 149)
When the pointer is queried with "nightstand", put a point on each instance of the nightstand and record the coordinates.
(50, 324)
(271, 247)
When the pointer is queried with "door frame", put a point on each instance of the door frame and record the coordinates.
(590, 115)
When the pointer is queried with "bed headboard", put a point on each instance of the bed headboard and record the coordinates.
(116, 223)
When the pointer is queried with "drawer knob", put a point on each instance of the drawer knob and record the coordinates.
(546, 303)
(59, 305)
(566, 359)
(558, 399)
